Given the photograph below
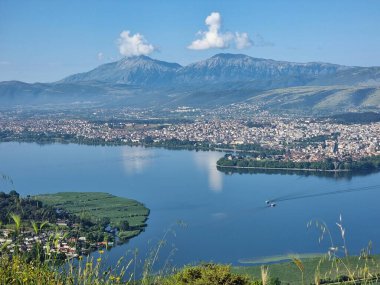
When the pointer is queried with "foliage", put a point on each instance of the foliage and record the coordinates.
(334, 267)
(98, 210)
(17, 270)
(14, 209)
(123, 225)
(20, 271)
(207, 274)
(67, 216)
(366, 163)
(357, 118)
(329, 269)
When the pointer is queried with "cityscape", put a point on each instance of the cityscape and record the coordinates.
(304, 139)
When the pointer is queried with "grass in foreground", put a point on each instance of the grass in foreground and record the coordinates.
(17, 270)
(324, 269)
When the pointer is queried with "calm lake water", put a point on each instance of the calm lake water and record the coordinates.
(225, 214)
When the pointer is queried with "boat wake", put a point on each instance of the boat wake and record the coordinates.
(297, 196)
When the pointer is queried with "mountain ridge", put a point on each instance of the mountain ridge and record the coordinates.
(221, 67)
(219, 80)
(140, 70)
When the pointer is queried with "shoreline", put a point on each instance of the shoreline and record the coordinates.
(190, 146)
(283, 168)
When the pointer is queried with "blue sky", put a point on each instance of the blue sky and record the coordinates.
(47, 40)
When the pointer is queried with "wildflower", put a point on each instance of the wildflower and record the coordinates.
(99, 259)
(101, 251)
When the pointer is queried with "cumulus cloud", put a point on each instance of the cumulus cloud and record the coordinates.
(212, 38)
(133, 45)
(215, 38)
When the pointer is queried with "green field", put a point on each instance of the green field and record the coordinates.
(98, 205)
(331, 269)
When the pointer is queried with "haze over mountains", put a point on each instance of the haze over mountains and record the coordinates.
(219, 80)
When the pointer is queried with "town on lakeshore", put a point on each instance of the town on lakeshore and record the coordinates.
(54, 242)
(298, 138)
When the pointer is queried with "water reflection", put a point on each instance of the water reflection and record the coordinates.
(207, 162)
(137, 159)
(219, 215)
(344, 175)
(6, 183)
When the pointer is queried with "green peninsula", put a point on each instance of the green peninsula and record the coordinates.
(127, 215)
(67, 225)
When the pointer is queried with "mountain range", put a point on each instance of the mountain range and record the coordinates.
(219, 80)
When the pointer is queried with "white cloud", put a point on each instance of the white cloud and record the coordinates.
(212, 38)
(259, 41)
(242, 40)
(100, 56)
(215, 38)
(134, 45)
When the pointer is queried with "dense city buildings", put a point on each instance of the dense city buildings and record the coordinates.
(302, 139)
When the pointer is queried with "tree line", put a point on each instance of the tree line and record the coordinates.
(365, 163)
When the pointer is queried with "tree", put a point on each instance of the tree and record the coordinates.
(14, 193)
(123, 225)
(105, 221)
(148, 140)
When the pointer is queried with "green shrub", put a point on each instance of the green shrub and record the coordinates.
(207, 274)
(17, 270)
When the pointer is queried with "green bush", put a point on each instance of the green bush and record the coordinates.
(17, 270)
(207, 274)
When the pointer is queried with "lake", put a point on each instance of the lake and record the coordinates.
(226, 217)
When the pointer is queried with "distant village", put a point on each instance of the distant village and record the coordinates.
(54, 242)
